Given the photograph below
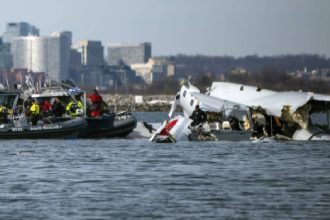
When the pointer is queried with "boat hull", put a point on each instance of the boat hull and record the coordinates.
(68, 129)
(108, 126)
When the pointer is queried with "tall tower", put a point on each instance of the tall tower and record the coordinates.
(58, 55)
(19, 29)
(6, 59)
(49, 54)
(91, 53)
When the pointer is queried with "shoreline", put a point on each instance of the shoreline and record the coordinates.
(139, 103)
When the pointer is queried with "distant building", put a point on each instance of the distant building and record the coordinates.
(239, 71)
(91, 53)
(75, 59)
(325, 72)
(6, 59)
(50, 54)
(129, 53)
(66, 34)
(19, 29)
(169, 67)
(150, 71)
(106, 77)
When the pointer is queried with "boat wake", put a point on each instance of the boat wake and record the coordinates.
(143, 130)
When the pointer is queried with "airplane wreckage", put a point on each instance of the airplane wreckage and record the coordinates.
(237, 112)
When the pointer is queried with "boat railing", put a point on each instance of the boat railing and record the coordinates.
(20, 120)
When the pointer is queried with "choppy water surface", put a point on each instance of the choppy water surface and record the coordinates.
(102, 179)
(135, 179)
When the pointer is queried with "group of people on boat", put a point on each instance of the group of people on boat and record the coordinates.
(47, 107)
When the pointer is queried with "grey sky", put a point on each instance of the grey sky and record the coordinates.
(209, 27)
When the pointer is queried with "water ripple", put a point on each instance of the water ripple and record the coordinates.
(136, 179)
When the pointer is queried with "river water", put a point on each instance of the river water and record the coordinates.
(136, 179)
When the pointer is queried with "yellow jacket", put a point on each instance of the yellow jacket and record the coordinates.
(35, 109)
(73, 106)
(2, 109)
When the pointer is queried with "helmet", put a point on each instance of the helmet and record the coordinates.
(79, 112)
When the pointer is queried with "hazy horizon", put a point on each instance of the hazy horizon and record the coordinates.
(205, 27)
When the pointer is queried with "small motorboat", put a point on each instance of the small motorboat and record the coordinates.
(109, 126)
(15, 125)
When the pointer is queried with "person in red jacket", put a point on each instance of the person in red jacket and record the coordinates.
(46, 108)
(96, 100)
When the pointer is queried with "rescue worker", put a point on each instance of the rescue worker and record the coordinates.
(46, 107)
(97, 101)
(34, 111)
(3, 114)
(75, 108)
(198, 116)
(27, 104)
(58, 108)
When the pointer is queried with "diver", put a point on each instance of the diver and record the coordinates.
(235, 124)
(198, 116)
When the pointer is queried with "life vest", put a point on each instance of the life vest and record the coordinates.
(73, 106)
(96, 98)
(35, 109)
(3, 109)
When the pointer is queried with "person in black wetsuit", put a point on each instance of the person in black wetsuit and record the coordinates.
(198, 116)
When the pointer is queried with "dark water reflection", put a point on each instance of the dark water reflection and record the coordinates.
(135, 179)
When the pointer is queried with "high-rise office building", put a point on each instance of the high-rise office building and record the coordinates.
(19, 29)
(91, 53)
(129, 53)
(6, 59)
(50, 54)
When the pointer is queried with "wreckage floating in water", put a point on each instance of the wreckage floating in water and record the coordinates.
(226, 121)
(250, 113)
(280, 115)
(221, 135)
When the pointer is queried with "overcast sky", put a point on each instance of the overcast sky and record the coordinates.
(208, 27)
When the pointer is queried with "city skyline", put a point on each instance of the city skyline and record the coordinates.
(211, 27)
(50, 54)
